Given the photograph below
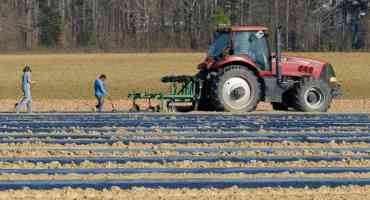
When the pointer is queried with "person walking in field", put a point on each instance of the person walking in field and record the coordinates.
(100, 91)
(26, 87)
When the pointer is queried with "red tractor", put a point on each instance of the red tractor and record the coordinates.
(240, 71)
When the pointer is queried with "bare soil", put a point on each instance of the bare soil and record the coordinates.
(221, 145)
(172, 176)
(324, 193)
(189, 164)
(57, 105)
(170, 153)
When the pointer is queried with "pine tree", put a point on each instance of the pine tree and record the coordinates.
(220, 17)
(50, 25)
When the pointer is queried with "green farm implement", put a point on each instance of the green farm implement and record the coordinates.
(183, 89)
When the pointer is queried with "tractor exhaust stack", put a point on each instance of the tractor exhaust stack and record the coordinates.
(278, 55)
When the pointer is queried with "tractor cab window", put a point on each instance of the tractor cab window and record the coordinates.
(221, 42)
(255, 45)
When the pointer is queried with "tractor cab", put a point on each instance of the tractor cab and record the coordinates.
(251, 41)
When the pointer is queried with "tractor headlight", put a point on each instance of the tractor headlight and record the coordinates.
(333, 80)
(328, 74)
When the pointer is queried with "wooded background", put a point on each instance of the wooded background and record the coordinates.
(168, 25)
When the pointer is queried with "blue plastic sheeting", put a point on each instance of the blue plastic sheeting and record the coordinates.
(204, 126)
(185, 183)
(185, 140)
(288, 122)
(323, 170)
(64, 160)
(186, 135)
(194, 150)
(184, 128)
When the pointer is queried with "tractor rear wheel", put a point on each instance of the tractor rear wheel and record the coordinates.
(312, 96)
(236, 89)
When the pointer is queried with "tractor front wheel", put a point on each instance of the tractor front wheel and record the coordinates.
(312, 96)
(236, 89)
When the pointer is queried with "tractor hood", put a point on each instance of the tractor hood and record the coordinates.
(298, 66)
(302, 61)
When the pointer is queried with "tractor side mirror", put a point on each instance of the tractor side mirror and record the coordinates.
(260, 34)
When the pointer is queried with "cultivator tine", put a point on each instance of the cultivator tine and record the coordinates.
(112, 104)
(151, 108)
(135, 107)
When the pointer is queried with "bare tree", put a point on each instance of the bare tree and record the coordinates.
(153, 25)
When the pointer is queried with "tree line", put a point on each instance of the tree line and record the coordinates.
(158, 25)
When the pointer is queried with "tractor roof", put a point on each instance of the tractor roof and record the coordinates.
(248, 28)
(228, 28)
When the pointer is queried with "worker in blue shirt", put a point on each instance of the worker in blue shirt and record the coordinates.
(26, 87)
(100, 91)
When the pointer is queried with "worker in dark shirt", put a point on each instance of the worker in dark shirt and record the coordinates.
(100, 91)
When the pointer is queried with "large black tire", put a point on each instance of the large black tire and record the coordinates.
(205, 102)
(280, 106)
(236, 89)
(312, 96)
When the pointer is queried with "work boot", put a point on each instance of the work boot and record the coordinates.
(17, 108)
(29, 107)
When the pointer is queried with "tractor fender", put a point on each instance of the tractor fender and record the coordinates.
(236, 60)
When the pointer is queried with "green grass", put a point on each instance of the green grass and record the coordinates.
(71, 76)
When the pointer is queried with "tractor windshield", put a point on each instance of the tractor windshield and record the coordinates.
(251, 43)
(255, 45)
(221, 41)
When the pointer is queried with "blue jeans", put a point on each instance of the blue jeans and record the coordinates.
(100, 104)
(26, 100)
